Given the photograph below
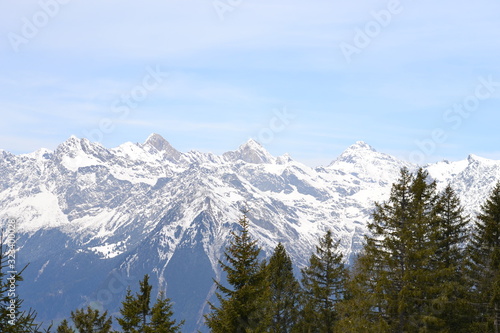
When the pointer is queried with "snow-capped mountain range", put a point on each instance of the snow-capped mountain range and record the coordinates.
(92, 221)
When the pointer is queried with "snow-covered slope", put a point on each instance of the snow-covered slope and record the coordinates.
(93, 220)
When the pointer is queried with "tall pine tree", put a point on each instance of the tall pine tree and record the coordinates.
(450, 304)
(137, 316)
(397, 274)
(284, 289)
(161, 317)
(130, 311)
(410, 276)
(244, 302)
(143, 302)
(385, 261)
(484, 252)
(323, 283)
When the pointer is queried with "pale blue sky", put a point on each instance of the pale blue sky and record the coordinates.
(333, 73)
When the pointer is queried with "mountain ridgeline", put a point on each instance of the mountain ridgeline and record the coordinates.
(92, 221)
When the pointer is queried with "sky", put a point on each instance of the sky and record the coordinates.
(419, 80)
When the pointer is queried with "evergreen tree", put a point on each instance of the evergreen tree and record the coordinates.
(323, 282)
(130, 314)
(243, 305)
(485, 263)
(136, 311)
(91, 321)
(359, 310)
(450, 303)
(64, 327)
(161, 317)
(386, 256)
(284, 289)
(143, 301)
(410, 275)
(137, 316)
(418, 294)
(398, 274)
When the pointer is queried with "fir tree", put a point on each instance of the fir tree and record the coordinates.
(64, 327)
(485, 263)
(243, 305)
(137, 316)
(358, 312)
(161, 317)
(284, 289)
(323, 282)
(398, 256)
(451, 285)
(418, 294)
(91, 321)
(410, 275)
(143, 301)
(130, 314)
(385, 261)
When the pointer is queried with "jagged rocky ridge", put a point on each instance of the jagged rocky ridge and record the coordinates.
(93, 221)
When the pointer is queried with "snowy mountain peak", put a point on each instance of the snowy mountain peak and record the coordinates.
(156, 143)
(75, 144)
(250, 152)
(72, 144)
(252, 143)
(359, 151)
(475, 159)
(71, 141)
(4, 153)
(40, 154)
(361, 145)
(284, 159)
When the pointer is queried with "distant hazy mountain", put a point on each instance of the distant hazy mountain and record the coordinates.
(93, 221)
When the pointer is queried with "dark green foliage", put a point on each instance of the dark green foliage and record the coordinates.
(143, 300)
(359, 310)
(130, 314)
(390, 276)
(135, 309)
(91, 321)
(485, 263)
(323, 282)
(64, 327)
(137, 316)
(161, 317)
(411, 275)
(243, 305)
(284, 289)
(450, 283)
(399, 254)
